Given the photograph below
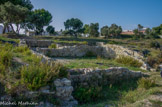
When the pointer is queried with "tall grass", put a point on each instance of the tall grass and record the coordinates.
(146, 83)
(126, 60)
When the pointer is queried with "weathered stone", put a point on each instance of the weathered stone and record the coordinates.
(6, 98)
(58, 83)
(96, 77)
(44, 88)
(66, 82)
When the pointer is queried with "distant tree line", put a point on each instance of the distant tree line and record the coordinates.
(147, 33)
(74, 27)
(21, 14)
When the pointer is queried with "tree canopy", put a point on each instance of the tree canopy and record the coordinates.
(114, 31)
(23, 3)
(158, 30)
(86, 29)
(93, 30)
(50, 30)
(38, 19)
(105, 31)
(74, 26)
(12, 14)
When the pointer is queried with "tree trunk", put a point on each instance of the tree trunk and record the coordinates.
(12, 28)
(18, 29)
(8, 28)
(4, 29)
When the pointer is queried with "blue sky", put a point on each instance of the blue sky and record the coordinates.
(126, 13)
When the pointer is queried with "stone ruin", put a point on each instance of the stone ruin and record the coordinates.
(88, 77)
(107, 51)
(83, 77)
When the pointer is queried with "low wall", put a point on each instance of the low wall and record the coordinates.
(38, 43)
(78, 51)
(89, 77)
(106, 51)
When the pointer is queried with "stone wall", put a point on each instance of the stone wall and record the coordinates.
(78, 51)
(106, 51)
(89, 77)
(38, 43)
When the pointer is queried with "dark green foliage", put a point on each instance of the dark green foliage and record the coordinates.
(112, 31)
(84, 95)
(155, 44)
(128, 61)
(74, 26)
(146, 83)
(12, 14)
(93, 30)
(50, 30)
(63, 72)
(138, 34)
(37, 20)
(158, 30)
(100, 93)
(23, 3)
(105, 31)
(90, 54)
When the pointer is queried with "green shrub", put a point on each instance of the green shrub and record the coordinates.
(33, 59)
(53, 45)
(2, 68)
(155, 44)
(114, 42)
(85, 95)
(21, 49)
(126, 60)
(28, 52)
(36, 76)
(5, 57)
(63, 72)
(90, 54)
(146, 83)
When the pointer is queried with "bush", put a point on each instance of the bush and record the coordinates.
(126, 60)
(90, 54)
(155, 44)
(5, 58)
(146, 83)
(21, 49)
(33, 59)
(39, 75)
(53, 45)
(63, 72)
(85, 95)
(152, 61)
